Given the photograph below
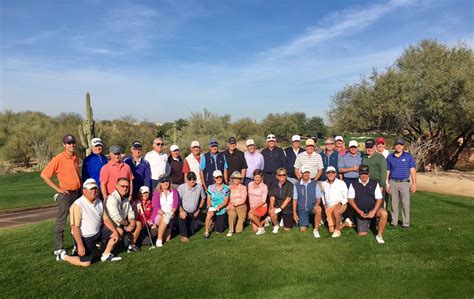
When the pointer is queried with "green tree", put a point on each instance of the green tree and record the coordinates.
(246, 127)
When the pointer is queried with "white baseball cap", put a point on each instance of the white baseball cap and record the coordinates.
(249, 142)
(295, 138)
(90, 184)
(96, 141)
(195, 143)
(174, 147)
(330, 168)
(271, 137)
(144, 189)
(353, 143)
(339, 138)
(305, 168)
(216, 173)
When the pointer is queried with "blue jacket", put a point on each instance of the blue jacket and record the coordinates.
(91, 167)
(330, 160)
(141, 174)
(306, 195)
(290, 158)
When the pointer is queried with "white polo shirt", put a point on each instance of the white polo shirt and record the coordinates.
(158, 164)
(334, 193)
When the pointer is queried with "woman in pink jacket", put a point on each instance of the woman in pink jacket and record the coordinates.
(237, 208)
(165, 203)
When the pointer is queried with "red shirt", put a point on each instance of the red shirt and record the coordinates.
(147, 209)
(111, 172)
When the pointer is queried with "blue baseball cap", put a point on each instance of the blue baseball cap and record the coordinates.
(213, 142)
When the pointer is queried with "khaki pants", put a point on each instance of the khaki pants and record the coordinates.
(240, 213)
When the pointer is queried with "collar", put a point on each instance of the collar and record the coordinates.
(69, 157)
(305, 183)
(365, 182)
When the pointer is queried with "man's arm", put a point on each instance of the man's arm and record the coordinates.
(103, 190)
(413, 179)
(76, 233)
(50, 183)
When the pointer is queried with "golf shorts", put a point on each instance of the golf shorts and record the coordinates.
(219, 222)
(287, 220)
(90, 244)
(261, 211)
(304, 217)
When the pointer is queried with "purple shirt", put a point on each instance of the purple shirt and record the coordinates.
(254, 161)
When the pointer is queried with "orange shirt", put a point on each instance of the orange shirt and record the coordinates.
(66, 169)
(111, 172)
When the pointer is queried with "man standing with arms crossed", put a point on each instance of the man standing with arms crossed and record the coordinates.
(66, 167)
(274, 158)
(291, 153)
(158, 162)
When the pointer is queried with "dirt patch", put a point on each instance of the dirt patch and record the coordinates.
(449, 182)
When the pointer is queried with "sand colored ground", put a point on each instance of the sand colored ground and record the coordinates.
(450, 182)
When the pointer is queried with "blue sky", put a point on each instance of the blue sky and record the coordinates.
(162, 60)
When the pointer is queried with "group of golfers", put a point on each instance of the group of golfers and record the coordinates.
(145, 200)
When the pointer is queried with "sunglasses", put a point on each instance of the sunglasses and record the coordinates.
(164, 181)
(281, 174)
(159, 143)
(124, 186)
(329, 143)
(218, 177)
(71, 142)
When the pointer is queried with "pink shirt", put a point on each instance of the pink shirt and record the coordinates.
(111, 172)
(257, 194)
(238, 195)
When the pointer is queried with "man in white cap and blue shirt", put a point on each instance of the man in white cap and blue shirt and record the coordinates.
(290, 156)
(254, 160)
(94, 162)
(349, 163)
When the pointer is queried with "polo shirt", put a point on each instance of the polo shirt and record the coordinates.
(91, 167)
(218, 197)
(87, 216)
(290, 157)
(189, 197)
(273, 159)
(66, 169)
(365, 194)
(141, 173)
(334, 193)
(238, 194)
(348, 161)
(313, 161)
(257, 194)
(377, 167)
(399, 167)
(281, 193)
(158, 164)
(254, 161)
(235, 161)
(111, 172)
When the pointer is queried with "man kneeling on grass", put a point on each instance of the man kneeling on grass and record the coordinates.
(366, 198)
(87, 222)
(306, 201)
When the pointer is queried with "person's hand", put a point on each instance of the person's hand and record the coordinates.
(277, 210)
(120, 231)
(362, 214)
(212, 209)
(63, 191)
(196, 213)
(182, 215)
(387, 187)
(413, 188)
(115, 236)
(129, 228)
(371, 214)
(296, 218)
(81, 250)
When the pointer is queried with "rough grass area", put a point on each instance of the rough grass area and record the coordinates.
(434, 258)
(24, 190)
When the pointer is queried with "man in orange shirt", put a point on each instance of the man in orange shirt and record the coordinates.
(66, 168)
(112, 171)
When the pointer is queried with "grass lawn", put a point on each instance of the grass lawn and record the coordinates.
(434, 258)
(24, 190)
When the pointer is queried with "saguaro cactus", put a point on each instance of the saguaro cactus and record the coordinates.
(87, 128)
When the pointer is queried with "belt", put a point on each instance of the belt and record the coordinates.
(72, 191)
(401, 181)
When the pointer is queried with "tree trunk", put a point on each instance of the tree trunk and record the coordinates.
(453, 159)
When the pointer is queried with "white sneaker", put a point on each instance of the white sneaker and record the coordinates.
(260, 231)
(316, 234)
(110, 258)
(281, 222)
(159, 243)
(349, 221)
(336, 234)
(229, 234)
(55, 196)
(379, 239)
(275, 229)
(60, 253)
(267, 221)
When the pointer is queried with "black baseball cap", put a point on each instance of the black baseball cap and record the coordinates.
(364, 169)
(191, 175)
(400, 140)
(68, 138)
(369, 143)
(137, 144)
(232, 140)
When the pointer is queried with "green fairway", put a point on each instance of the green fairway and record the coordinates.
(434, 258)
(24, 190)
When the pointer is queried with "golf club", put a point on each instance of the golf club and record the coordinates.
(140, 210)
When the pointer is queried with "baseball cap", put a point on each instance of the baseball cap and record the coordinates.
(195, 143)
(400, 140)
(68, 138)
(89, 184)
(249, 142)
(96, 141)
(339, 138)
(353, 143)
(136, 144)
(305, 168)
(380, 140)
(174, 147)
(144, 189)
(330, 168)
(271, 137)
(213, 142)
(216, 173)
(309, 142)
(191, 175)
(364, 169)
(236, 175)
(164, 179)
(369, 143)
(295, 138)
(232, 140)
(115, 149)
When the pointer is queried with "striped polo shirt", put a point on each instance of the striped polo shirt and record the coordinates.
(314, 162)
(399, 167)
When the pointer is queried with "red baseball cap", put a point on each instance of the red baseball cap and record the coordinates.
(380, 140)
